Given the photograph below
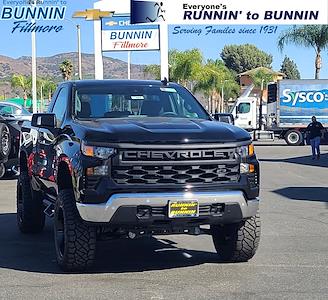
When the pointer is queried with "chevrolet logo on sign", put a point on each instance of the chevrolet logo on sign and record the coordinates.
(111, 23)
(93, 14)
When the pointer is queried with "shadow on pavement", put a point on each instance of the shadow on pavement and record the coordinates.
(319, 194)
(302, 160)
(9, 177)
(36, 253)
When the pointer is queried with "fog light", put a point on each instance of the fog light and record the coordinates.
(101, 171)
(97, 171)
(244, 168)
(143, 212)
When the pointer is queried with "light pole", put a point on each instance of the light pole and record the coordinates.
(261, 105)
(222, 93)
(79, 53)
(78, 28)
(34, 91)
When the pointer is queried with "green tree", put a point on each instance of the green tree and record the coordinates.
(49, 86)
(214, 79)
(23, 83)
(45, 89)
(289, 68)
(261, 77)
(66, 68)
(241, 58)
(153, 70)
(310, 36)
(185, 65)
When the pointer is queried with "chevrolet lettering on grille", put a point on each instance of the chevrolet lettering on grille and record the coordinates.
(175, 155)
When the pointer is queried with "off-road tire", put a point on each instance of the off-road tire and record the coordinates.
(75, 241)
(5, 141)
(30, 212)
(237, 242)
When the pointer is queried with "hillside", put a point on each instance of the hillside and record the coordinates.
(49, 67)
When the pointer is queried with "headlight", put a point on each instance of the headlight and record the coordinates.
(96, 151)
(245, 151)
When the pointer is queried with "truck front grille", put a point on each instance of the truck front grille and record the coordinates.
(176, 174)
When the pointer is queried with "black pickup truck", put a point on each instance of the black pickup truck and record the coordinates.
(118, 158)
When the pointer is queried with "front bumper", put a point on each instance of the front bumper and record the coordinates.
(235, 207)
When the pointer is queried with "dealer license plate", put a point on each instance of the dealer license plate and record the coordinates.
(183, 209)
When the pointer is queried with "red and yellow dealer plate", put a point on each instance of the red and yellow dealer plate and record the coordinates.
(183, 209)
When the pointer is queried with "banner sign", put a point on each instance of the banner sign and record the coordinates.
(230, 12)
(119, 35)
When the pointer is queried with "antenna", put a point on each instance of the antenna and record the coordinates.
(165, 81)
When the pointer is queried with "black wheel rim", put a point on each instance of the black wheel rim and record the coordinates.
(5, 142)
(60, 232)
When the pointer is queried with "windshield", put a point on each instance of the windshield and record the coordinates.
(136, 101)
(7, 109)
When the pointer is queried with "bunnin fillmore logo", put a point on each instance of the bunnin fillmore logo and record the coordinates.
(118, 34)
(26, 13)
(147, 12)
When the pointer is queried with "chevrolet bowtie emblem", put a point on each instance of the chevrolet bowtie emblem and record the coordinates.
(92, 14)
(111, 23)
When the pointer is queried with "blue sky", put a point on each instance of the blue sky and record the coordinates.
(18, 44)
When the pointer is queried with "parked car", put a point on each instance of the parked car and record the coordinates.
(14, 111)
(225, 118)
(9, 144)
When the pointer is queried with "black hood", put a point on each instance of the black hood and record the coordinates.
(160, 130)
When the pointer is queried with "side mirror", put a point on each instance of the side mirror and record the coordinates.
(44, 121)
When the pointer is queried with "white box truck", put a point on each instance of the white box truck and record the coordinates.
(290, 106)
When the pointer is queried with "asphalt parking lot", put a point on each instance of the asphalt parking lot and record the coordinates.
(291, 263)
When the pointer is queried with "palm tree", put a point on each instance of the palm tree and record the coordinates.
(212, 79)
(48, 88)
(24, 83)
(153, 70)
(311, 36)
(45, 87)
(261, 77)
(185, 66)
(66, 68)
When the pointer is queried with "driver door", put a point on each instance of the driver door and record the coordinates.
(46, 146)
